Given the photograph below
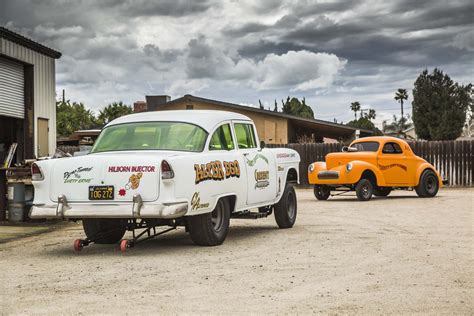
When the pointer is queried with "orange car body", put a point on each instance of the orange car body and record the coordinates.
(393, 163)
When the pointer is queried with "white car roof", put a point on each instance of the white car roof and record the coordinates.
(204, 118)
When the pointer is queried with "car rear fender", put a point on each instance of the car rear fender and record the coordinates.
(427, 166)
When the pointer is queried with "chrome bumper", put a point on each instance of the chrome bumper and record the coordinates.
(137, 209)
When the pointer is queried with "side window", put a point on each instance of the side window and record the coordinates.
(245, 135)
(392, 148)
(222, 139)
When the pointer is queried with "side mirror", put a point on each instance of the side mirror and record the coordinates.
(262, 144)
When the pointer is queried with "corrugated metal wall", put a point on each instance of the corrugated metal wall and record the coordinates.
(12, 85)
(44, 86)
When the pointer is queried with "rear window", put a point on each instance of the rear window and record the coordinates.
(366, 146)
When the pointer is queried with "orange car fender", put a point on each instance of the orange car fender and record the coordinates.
(421, 168)
(318, 166)
(358, 168)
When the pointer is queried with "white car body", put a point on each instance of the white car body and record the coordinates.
(255, 177)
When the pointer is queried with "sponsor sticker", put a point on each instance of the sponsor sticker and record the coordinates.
(132, 184)
(196, 202)
(285, 155)
(141, 169)
(76, 175)
(261, 178)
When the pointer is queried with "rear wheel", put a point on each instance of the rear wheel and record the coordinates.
(210, 229)
(286, 208)
(382, 191)
(103, 231)
(322, 192)
(364, 190)
(429, 185)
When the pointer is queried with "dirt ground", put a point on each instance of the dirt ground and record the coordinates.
(399, 255)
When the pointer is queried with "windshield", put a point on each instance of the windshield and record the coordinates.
(151, 136)
(366, 146)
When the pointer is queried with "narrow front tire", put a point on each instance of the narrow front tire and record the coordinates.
(364, 190)
(286, 208)
(321, 192)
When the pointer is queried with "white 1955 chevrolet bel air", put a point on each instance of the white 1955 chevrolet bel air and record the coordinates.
(186, 168)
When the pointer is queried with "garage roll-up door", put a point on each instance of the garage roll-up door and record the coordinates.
(11, 89)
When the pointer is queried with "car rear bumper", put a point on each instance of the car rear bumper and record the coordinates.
(136, 209)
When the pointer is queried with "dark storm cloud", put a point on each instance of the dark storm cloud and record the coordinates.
(124, 49)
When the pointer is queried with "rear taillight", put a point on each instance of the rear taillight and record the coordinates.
(36, 174)
(166, 170)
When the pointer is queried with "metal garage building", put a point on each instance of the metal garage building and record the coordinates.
(27, 96)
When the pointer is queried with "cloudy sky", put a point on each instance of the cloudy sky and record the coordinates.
(330, 52)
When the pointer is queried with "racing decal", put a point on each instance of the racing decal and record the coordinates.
(261, 178)
(196, 202)
(75, 176)
(392, 166)
(285, 155)
(131, 169)
(252, 162)
(133, 183)
(214, 170)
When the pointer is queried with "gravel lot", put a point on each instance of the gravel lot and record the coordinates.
(396, 255)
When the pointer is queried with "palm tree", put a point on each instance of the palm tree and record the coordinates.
(355, 106)
(371, 114)
(401, 95)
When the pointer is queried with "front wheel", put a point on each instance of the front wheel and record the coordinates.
(429, 185)
(322, 192)
(364, 190)
(103, 231)
(210, 229)
(286, 208)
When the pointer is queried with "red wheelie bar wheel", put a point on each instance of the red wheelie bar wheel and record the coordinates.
(124, 245)
(78, 245)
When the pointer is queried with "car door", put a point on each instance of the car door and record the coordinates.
(259, 165)
(392, 163)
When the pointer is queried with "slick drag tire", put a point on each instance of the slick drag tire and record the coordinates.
(321, 192)
(103, 231)
(210, 229)
(382, 191)
(429, 185)
(364, 190)
(286, 208)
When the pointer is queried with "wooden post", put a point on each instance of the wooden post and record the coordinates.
(3, 195)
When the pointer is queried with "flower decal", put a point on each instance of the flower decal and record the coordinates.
(122, 192)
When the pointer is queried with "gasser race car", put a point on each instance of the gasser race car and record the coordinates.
(374, 166)
(187, 168)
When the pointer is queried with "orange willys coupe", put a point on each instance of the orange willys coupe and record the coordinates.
(374, 166)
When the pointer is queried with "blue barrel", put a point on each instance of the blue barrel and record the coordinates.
(16, 202)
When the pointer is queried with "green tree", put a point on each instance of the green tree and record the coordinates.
(365, 122)
(293, 106)
(260, 105)
(355, 107)
(397, 127)
(113, 111)
(439, 106)
(400, 96)
(71, 117)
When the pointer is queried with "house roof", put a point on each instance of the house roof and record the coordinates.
(330, 128)
(21, 40)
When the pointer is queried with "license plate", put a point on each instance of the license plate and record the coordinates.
(101, 192)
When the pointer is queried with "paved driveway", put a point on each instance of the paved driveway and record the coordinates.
(396, 255)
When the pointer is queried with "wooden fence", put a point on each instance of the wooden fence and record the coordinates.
(453, 159)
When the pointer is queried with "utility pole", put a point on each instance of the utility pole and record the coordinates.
(64, 96)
